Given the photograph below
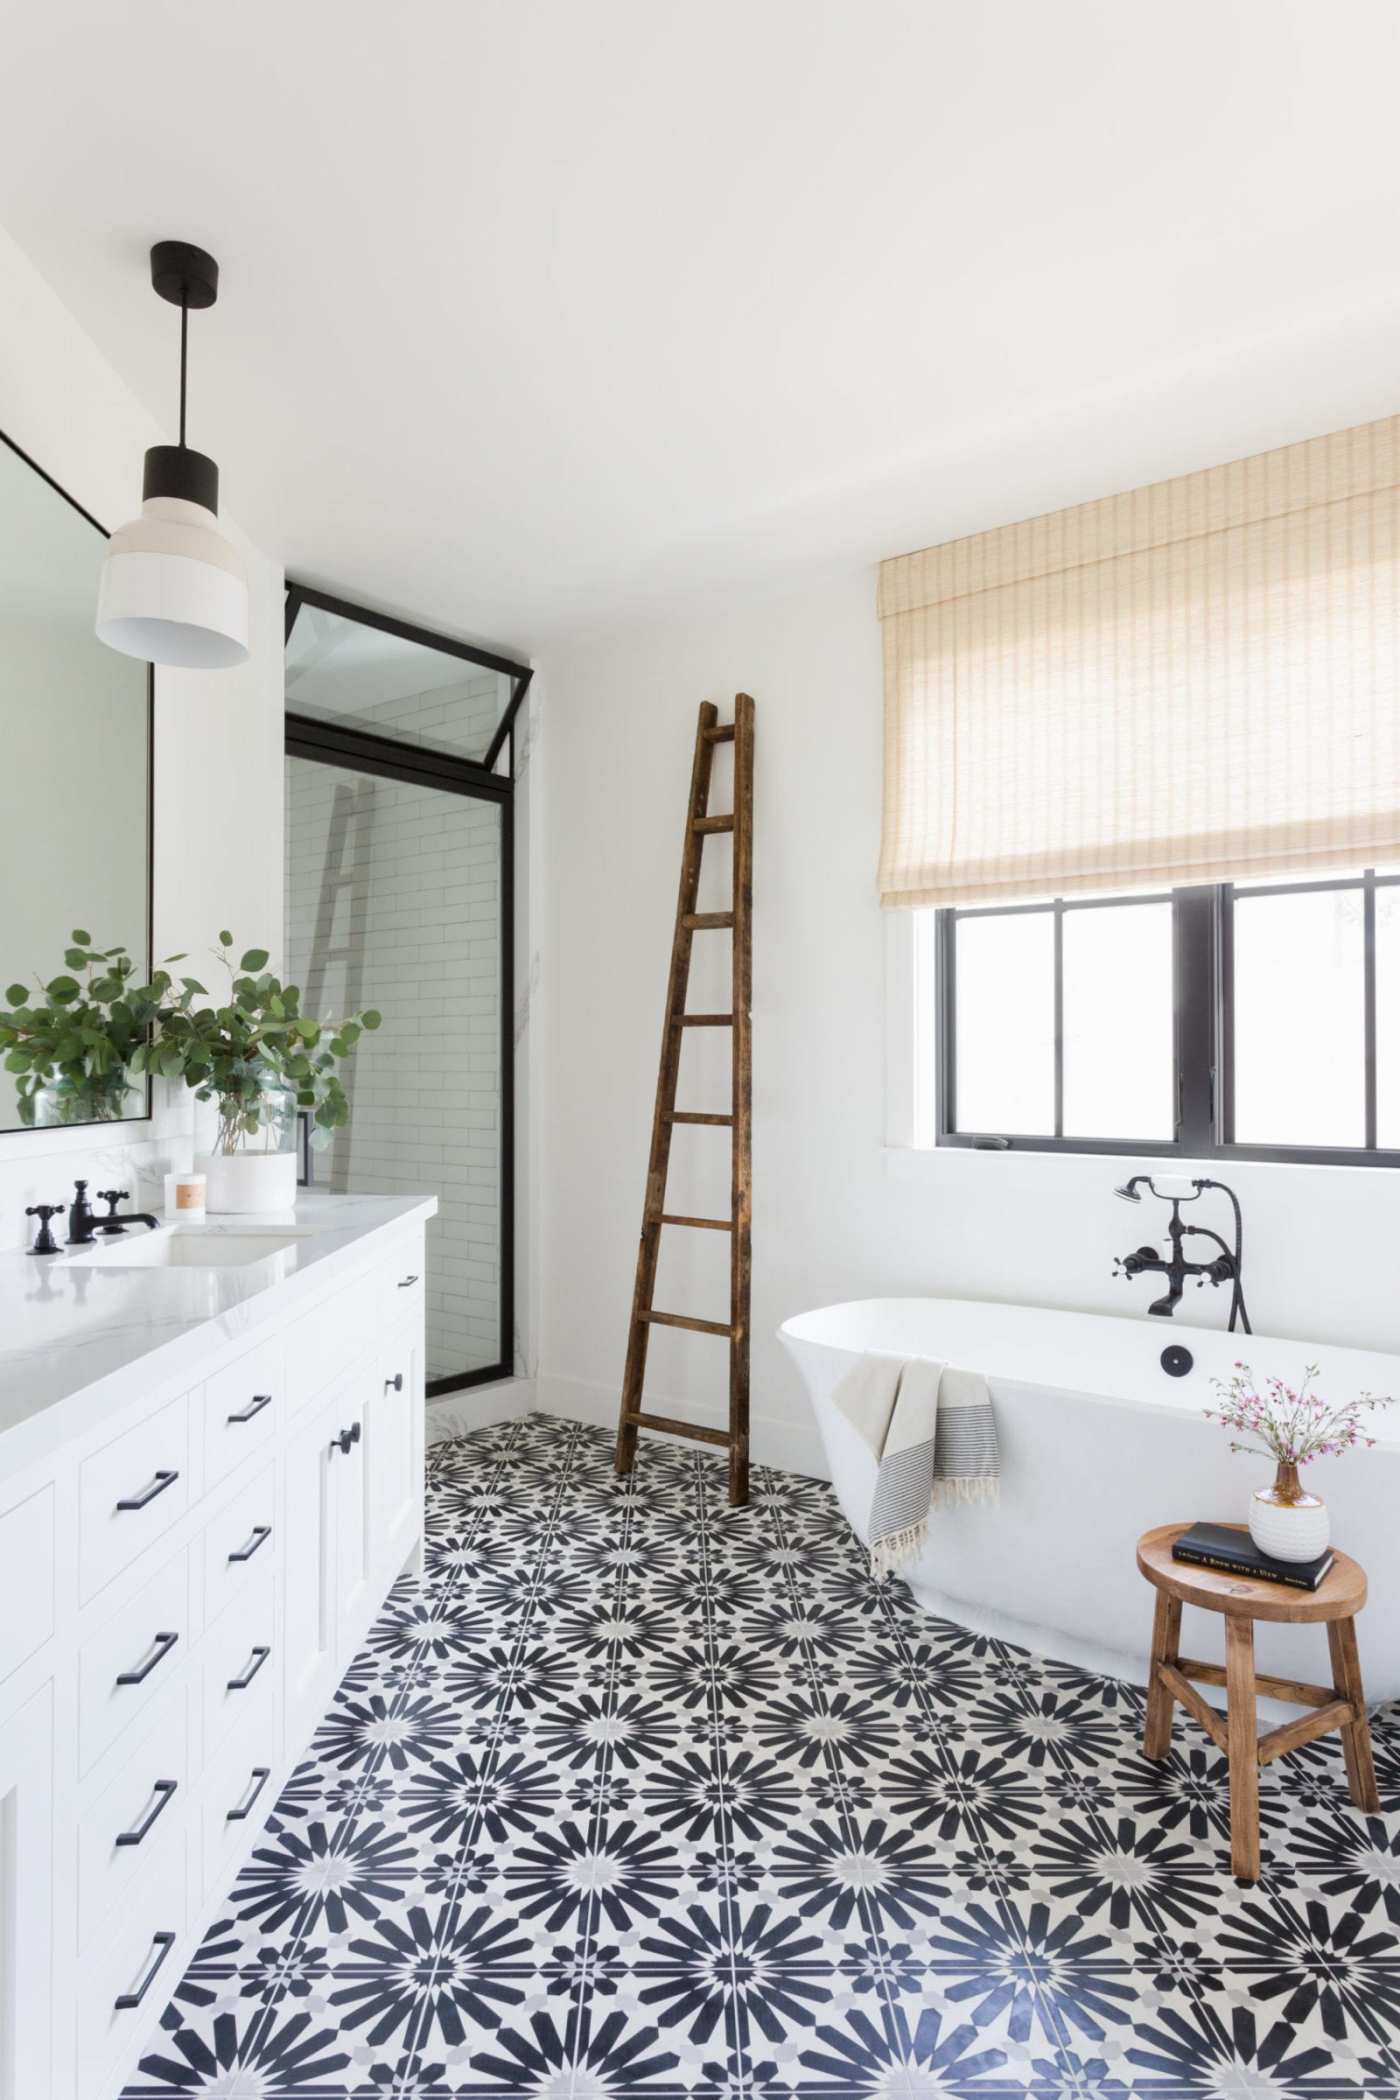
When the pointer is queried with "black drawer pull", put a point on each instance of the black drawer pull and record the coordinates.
(158, 1486)
(257, 1781)
(394, 1384)
(261, 1534)
(164, 1790)
(163, 1644)
(255, 1662)
(407, 1281)
(160, 1947)
(346, 1438)
(255, 1407)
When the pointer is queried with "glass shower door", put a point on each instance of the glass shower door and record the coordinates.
(396, 899)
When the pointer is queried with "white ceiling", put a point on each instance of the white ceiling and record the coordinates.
(545, 312)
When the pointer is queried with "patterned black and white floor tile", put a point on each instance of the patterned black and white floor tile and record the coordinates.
(638, 1795)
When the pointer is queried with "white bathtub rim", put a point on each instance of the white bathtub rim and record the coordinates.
(1364, 1370)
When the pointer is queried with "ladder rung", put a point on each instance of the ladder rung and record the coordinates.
(640, 1420)
(705, 1020)
(707, 1224)
(656, 1319)
(697, 921)
(690, 1115)
(712, 824)
(722, 733)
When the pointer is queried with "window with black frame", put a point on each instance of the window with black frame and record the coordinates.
(1261, 1021)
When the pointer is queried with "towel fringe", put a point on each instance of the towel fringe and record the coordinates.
(890, 1553)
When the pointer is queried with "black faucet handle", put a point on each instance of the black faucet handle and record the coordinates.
(112, 1197)
(44, 1241)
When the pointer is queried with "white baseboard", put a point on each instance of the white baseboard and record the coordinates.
(479, 1407)
(794, 1446)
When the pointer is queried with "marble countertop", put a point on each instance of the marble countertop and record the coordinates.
(79, 1327)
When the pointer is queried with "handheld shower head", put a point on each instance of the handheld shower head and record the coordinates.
(1129, 1189)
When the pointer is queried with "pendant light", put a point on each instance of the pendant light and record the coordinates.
(173, 590)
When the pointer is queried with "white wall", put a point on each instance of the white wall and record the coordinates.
(218, 758)
(836, 1214)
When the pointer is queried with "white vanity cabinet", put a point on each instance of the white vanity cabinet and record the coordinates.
(181, 1588)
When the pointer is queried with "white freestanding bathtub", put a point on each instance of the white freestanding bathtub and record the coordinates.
(1099, 1443)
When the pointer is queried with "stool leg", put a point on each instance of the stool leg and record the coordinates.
(1244, 1748)
(1356, 1738)
(1166, 1637)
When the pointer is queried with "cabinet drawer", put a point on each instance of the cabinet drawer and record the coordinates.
(242, 1404)
(130, 1494)
(126, 1823)
(129, 1973)
(239, 1659)
(239, 1790)
(128, 1662)
(402, 1291)
(240, 1543)
(26, 1571)
(327, 1342)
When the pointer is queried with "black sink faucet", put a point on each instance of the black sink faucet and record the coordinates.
(1225, 1267)
(83, 1227)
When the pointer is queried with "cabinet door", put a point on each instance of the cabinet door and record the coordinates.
(309, 1527)
(349, 1470)
(27, 1983)
(394, 1456)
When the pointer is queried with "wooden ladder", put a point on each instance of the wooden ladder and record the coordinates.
(700, 825)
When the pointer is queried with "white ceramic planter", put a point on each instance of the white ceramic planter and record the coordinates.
(248, 1181)
(1289, 1530)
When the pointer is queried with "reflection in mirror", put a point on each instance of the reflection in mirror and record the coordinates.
(75, 728)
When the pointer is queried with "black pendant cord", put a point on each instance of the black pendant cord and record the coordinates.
(184, 361)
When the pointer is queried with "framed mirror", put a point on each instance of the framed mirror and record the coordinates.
(75, 794)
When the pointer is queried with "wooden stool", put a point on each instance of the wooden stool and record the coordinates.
(1243, 1599)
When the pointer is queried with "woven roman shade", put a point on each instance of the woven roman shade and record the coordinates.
(1194, 682)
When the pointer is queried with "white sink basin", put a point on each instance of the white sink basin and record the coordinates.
(138, 1248)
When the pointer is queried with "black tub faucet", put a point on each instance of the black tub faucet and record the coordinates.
(83, 1227)
(1225, 1267)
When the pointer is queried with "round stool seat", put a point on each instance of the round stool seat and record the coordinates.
(1340, 1594)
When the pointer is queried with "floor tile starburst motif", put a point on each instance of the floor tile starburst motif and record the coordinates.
(635, 1794)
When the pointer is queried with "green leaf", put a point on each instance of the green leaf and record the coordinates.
(371, 1019)
(63, 989)
(191, 984)
(16, 994)
(84, 940)
(254, 959)
(225, 940)
(76, 958)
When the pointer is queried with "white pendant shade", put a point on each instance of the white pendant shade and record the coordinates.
(173, 590)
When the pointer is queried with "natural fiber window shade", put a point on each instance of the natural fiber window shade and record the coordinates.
(1194, 682)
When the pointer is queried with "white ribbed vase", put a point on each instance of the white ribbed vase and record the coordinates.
(1286, 1522)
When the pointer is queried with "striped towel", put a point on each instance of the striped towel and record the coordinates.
(934, 1434)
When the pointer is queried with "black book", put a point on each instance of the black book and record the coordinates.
(1235, 1553)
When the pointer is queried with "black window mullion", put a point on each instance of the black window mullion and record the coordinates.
(1059, 1018)
(1368, 907)
(1194, 919)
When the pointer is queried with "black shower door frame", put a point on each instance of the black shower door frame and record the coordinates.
(361, 751)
